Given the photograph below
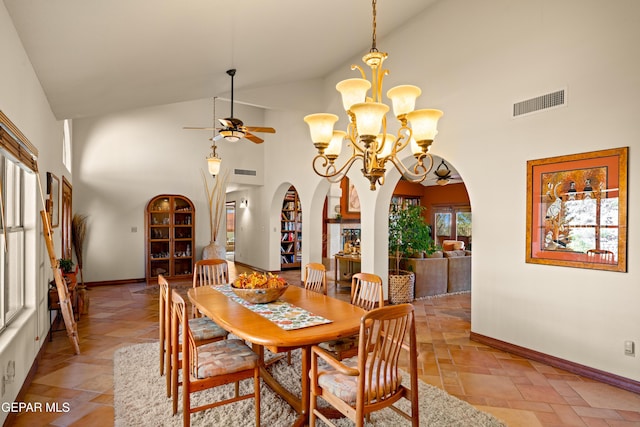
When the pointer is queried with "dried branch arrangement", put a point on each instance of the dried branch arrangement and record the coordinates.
(217, 197)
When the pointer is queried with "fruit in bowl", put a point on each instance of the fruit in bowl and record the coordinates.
(259, 288)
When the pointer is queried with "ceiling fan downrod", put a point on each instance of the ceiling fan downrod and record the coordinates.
(231, 72)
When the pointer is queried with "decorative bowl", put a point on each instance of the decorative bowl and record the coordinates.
(259, 288)
(259, 296)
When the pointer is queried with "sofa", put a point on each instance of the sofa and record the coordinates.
(458, 270)
(440, 273)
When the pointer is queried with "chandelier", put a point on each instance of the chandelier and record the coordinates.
(367, 129)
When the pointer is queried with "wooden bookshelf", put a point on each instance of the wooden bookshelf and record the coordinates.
(169, 237)
(291, 231)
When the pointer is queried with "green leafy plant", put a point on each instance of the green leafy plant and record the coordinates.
(409, 234)
(66, 265)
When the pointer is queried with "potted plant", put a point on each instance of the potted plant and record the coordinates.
(66, 265)
(409, 235)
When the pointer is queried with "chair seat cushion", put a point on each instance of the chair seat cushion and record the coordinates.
(345, 387)
(204, 329)
(225, 357)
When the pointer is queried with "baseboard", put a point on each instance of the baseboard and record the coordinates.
(115, 282)
(575, 368)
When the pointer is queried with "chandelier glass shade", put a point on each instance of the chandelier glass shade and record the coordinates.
(367, 132)
(213, 162)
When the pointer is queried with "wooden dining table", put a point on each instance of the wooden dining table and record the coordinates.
(263, 333)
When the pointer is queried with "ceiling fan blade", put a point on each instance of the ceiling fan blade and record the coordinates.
(253, 138)
(197, 128)
(226, 123)
(260, 129)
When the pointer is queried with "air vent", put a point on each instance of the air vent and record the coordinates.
(543, 102)
(244, 172)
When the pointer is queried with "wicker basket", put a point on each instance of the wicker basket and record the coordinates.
(401, 287)
(260, 296)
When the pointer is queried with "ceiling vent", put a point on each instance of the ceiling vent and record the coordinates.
(539, 103)
(244, 172)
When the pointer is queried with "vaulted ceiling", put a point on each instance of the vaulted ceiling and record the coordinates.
(95, 57)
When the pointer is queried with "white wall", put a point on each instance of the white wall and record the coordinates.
(24, 102)
(481, 57)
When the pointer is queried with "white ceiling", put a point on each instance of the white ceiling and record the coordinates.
(94, 57)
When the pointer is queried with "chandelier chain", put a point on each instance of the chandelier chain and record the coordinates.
(374, 35)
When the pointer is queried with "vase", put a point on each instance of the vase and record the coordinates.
(214, 250)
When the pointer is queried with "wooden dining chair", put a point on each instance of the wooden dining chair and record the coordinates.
(206, 331)
(358, 387)
(315, 277)
(211, 365)
(366, 293)
(209, 272)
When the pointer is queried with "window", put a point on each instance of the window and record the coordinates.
(452, 223)
(12, 240)
(66, 144)
(592, 222)
(18, 187)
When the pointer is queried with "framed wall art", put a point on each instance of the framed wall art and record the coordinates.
(53, 201)
(443, 224)
(577, 210)
(353, 201)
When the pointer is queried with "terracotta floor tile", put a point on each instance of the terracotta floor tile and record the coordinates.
(601, 395)
(540, 393)
(489, 386)
(513, 417)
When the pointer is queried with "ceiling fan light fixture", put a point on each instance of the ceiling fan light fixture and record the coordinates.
(232, 135)
(442, 171)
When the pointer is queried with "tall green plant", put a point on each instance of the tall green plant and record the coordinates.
(409, 233)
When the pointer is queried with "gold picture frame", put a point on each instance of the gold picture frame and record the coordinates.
(577, 210)
(53, 201)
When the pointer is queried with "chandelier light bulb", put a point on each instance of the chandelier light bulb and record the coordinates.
(385, 144)
(369, 117)
(321, 128)
(403, 98)
(213, 164)
(353, 91)
(424, 124)
(335, 146)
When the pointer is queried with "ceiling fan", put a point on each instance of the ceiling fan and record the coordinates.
(233, 129)
(443, 174)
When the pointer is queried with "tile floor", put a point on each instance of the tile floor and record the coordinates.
(518, 391)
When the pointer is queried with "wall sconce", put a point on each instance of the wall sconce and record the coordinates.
(244, 203)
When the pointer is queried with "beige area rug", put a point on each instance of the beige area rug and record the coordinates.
(140, 399)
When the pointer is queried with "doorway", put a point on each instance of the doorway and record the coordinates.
(231, 231)
(66, 218)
